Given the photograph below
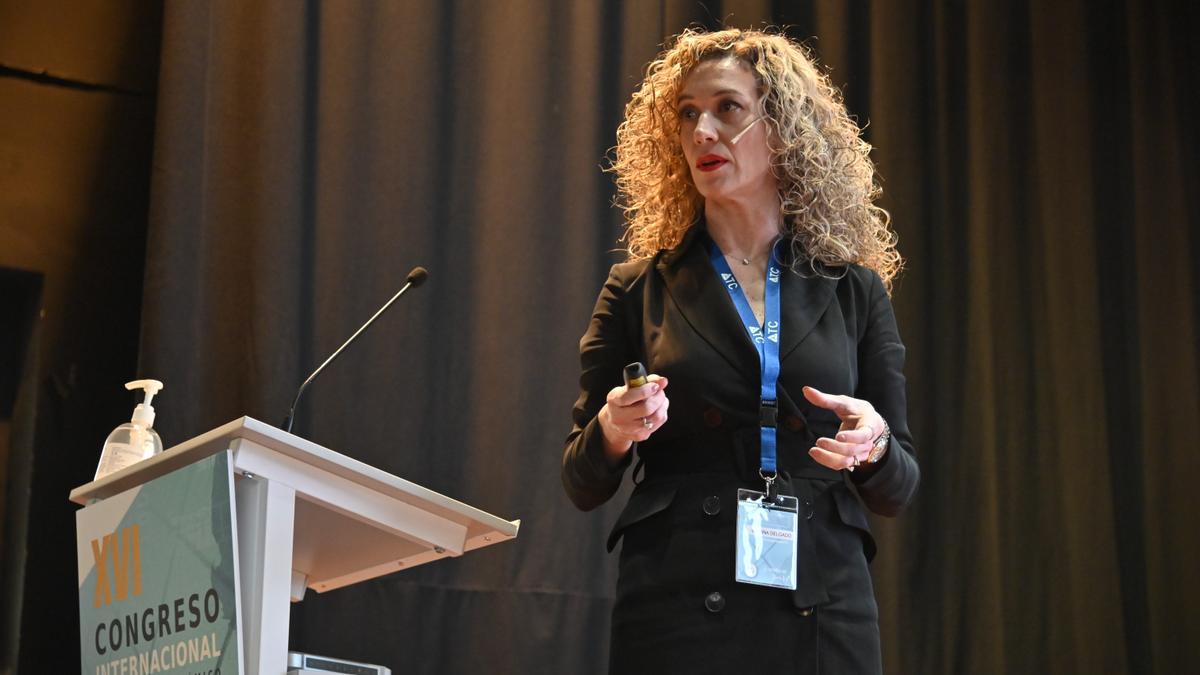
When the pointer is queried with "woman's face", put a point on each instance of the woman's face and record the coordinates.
(722, 132)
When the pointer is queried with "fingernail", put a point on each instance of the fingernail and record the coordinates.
(654, 389)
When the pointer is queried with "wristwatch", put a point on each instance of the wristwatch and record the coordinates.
(879, 449)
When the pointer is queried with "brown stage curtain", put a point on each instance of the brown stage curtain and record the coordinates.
(1036, 159)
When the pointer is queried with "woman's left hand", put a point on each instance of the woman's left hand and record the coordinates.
(861, 425)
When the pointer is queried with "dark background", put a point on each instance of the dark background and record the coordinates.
(216, 194)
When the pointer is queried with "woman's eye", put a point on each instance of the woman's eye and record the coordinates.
(727, 106)
(688, 114)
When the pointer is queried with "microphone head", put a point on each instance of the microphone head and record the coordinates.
(417, 276)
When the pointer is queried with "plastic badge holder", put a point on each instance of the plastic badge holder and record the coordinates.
(766, 539)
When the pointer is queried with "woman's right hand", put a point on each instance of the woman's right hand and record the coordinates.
(631, 415)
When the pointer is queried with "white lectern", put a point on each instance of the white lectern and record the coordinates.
(308, 517)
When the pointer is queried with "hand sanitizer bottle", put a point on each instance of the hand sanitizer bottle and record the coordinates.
(135, 440)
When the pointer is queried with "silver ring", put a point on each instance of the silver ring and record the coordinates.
(647, 423)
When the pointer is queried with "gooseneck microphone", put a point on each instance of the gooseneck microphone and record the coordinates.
(415, 278)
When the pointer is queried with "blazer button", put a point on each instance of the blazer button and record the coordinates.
(806, 509)
(794, 423)
(711, 505)
(714, 602)
(712, 418)
(807, 611)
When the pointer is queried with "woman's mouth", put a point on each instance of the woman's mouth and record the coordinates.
(710, 162)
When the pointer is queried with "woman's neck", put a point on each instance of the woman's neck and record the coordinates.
(744, 230)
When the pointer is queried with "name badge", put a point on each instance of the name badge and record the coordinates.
(766, 539)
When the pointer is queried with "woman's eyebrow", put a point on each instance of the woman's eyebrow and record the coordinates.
(719, 92)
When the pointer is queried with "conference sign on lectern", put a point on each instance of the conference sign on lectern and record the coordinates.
(158, 582)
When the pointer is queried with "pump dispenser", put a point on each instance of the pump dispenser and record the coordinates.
(135, 440)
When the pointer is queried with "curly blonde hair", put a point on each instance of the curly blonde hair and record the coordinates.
(818, 156)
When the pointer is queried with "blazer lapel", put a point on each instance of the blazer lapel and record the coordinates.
(804, 300)
(705, 303)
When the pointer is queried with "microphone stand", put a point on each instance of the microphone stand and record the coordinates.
(415, 278)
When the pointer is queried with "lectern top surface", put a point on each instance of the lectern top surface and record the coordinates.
(292, 446)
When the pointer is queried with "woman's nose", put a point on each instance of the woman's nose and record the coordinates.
(706, 130)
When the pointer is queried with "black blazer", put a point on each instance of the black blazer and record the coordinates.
(673, 314)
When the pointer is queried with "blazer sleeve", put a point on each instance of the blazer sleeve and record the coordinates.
(603, 350)
(890, 485)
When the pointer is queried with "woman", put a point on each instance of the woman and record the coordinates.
(751, 230)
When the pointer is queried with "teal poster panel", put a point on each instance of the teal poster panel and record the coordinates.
(158, 587)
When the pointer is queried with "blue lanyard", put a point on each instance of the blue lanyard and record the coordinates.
(766, 342)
